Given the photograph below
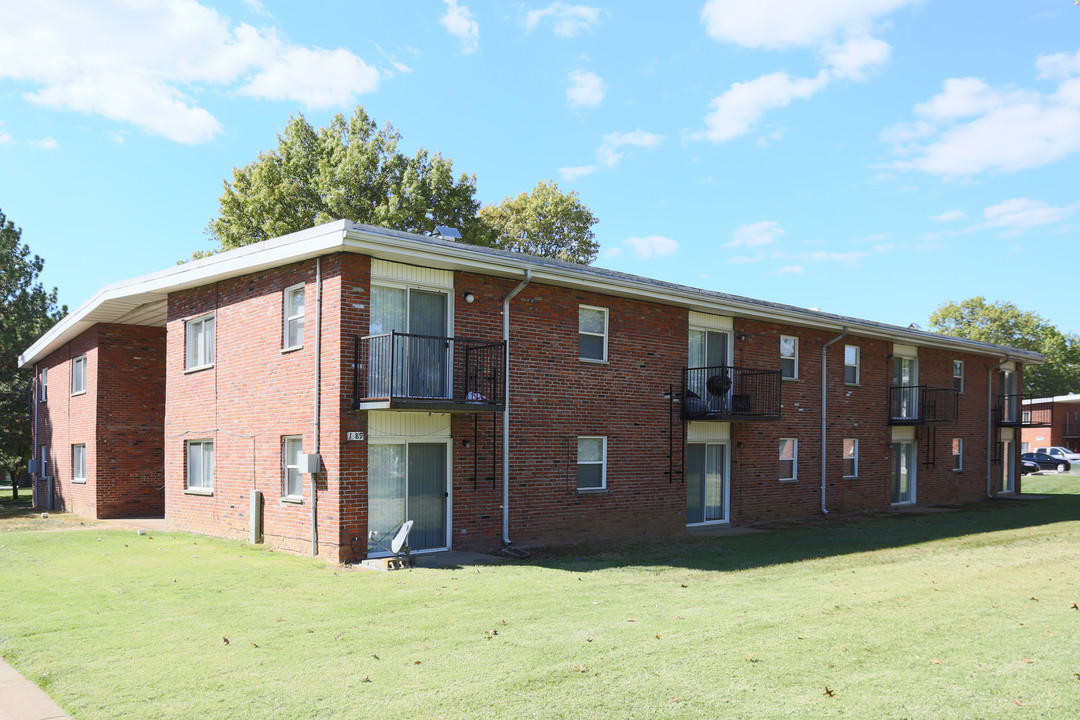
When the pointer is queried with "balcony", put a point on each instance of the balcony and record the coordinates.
(403, 371)
(922, 405)
(1024, 411)
(731, 394)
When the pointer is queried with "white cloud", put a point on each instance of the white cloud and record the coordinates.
(573, 173)
(316, 77)
(790, 270)
(567, 20)
(852, 59)
(47, 143)
(950, 216)
(971, 127)
(1059, 66)
(756, 234)
(586, 89)
(147, 63)
(651, 246)
(608, 153)
(1021, 213)
(458, 21)
(738, 110)
(793, 23)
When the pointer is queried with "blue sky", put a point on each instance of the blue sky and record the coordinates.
(873, 158)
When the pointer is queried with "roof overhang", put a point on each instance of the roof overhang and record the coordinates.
(144, 300)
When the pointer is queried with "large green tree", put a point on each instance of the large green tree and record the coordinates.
(26, 311)
(544, 221)
(349, 169)
(1005, 324)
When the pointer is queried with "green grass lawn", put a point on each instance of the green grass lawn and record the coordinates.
(954, 615)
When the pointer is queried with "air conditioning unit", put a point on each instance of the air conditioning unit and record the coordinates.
(310, 463)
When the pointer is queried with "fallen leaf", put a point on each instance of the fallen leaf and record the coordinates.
(224, 640)
(936, 662)
(1035, 599)
(1075, 607)
(828, 692)
(375, 656)
(581, 668)
(1018, 702)
(632, 620)
(1028, 660)
(416, 662)
(366, 679)
(254, 645)
(657, 637)
(682, 586)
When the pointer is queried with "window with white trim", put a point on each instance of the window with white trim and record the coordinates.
(789, 357)
(591, 463)
(958, 375)
(200, 465)
(78, 463)
(43, 385)
(851, 364)
(789, 458)
(292, 480)
(592, 333)
(958, 453)
(199, 343)
(78, 375)
(851, 457)
(293, 317)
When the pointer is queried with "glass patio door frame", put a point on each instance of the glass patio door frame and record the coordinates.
(448, 491)
(904, 451)
(725, 482)
(700, 358)
(403, 367)
(906, 375)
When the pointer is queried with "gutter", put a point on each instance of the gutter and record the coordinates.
(318, 405)
(506, 409)
(824, 378)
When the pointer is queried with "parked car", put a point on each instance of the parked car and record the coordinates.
(1047, 462)
(1059, 452)
(1029, 466)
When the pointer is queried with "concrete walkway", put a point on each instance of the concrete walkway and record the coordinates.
(21, 699)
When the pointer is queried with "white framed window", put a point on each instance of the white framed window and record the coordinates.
(292, 480)
(78, 375)
(591, 463)
(199, 343)
(293, 317)
(789, 458)
(592, 333)
(958, 375)
(958, 453)
(78, 463)
(789, 357)
(851, 457)
(851, 364)
(43, 385)
(200, 465)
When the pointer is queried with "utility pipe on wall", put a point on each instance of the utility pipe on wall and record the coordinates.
(506, 408)
(318, 398)
(824, 380)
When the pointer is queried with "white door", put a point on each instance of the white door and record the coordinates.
(903, 481)
(407, 481)
(706, 483)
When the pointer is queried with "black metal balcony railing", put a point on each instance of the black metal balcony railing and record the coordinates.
(403, 370)
(731, 394)
(922, 405)
(1015, 410)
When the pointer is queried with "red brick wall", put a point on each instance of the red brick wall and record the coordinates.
(130, 460)
(253, 396)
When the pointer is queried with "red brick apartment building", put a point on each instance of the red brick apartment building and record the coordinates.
(317, 390)
(1051, 422)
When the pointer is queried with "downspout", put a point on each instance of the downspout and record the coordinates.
(318, 398)
(506, 409)
(824, 401)
(990, 426)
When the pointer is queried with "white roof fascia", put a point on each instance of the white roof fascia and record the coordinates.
(116, 300)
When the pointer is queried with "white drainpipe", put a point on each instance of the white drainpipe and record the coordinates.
(318, 398)
(506, 409)
(824, 378)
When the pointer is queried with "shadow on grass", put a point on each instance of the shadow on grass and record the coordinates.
(822, 539)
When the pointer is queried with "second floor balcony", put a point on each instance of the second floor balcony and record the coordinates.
(922, 405)
(406, 371)
(731, 394)
(1015, 410)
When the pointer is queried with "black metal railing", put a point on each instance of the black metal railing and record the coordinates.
(406, 368)
(728, 393)
(1016, 410)
(922, 405)
(1072, 426)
